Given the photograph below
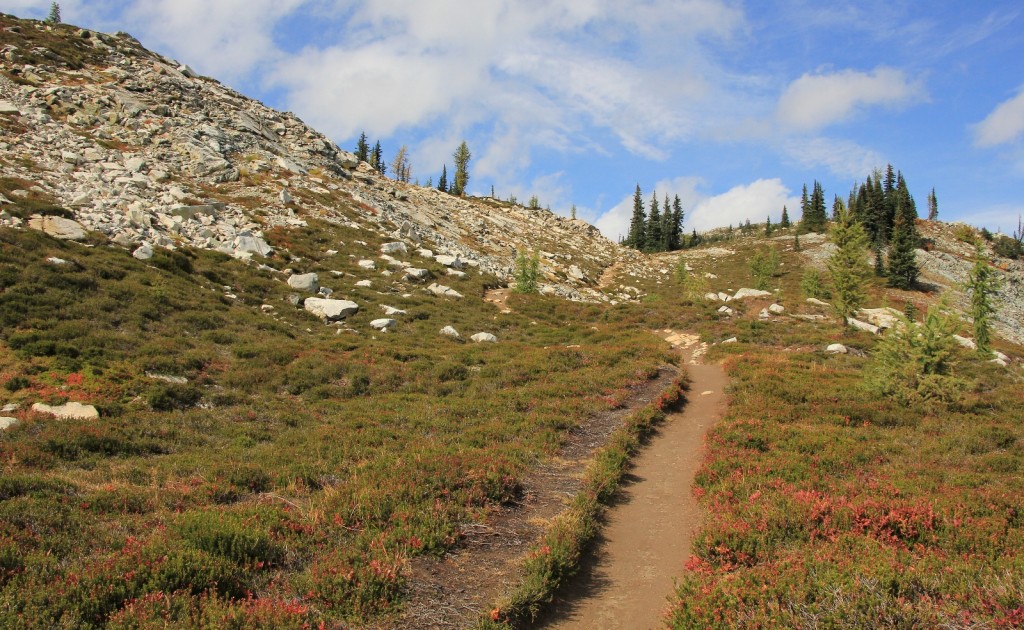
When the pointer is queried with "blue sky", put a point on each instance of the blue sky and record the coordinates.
(731, 105)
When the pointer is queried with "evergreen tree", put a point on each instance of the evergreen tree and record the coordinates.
(54, 17)
(805, 205)
(902, 269)
(527, 272)
(784, 223)
(676, 237)
(768, 226)
(653, 231)
(695, 238)
(796, 241)
(461, 157)
(573, 212)
(847, 266)
(442, 184)
(933, 206)
(814, 217)
(837, 205)
(362, 149)
(637, 238)
(377, 158)
(666, 226)
(983, 284)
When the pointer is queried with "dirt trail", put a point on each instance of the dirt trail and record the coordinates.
(647, 532)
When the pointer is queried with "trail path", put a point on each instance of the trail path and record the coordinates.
(647, 534)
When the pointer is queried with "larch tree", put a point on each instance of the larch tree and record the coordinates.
(400, 166)
(848, 267)
(983, 285)
(461, 157)
(54, 17)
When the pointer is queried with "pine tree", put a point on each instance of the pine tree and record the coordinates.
(442, 184)
(837, 205)
(902, 269)
(461, 157)
(676, 237)
(847, 266)
(768, 226)
(933, 206)
(814, 217)
(54, 17)
(666, 226)
(653, 231)
(784, 223)
(637, 238)
(805, 205)
(362, 149)
(377, 158)
(983, 285)
(573, 212)
(527, 272)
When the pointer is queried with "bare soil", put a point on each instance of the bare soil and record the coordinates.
(454, 591)
(646, 535)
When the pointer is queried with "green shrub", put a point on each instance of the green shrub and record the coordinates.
(812, 285)
(230, 537)
(1007, 247)
(15, 383)
(171, 396)
(764, 265)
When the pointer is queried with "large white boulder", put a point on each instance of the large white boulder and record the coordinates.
(308, 282)
(71, 411)
(448, 331)
(384, 324)
(484, 337)
(745, 293)
(330, 310)
(58, 227)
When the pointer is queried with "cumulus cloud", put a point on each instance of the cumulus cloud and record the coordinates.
(816, 101)
(843, 157)
(754, 201)
(1004, 124)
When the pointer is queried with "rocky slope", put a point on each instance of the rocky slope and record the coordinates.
(138, 147)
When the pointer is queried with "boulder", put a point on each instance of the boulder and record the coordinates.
(817, 302)
(745, 293)
(725, 310)
(369, 265)
(965, 342)
(458, 275)
(448, 331)
(7, 107)
(252, 245)
(285, 196)
(776, 309)
(576, 273)
(484, 337)
(143, 252)
(836, 348)
(859, 325)
(71, 410)
(58, 227)
(731, 340)
(308, 282)
(416, 275)
(6, 422)
(881, 317)
(290, 166)
(450, 261)
(393, 248)
(366, 284)
(383, 324)
(391, 310)
(442, 290)
(330, 310)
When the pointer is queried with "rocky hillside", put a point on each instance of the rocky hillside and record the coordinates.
(136, 146)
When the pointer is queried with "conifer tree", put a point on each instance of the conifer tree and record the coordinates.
(572, 212)
(902, 269)
(768, 226)
(814, 217)
(461, 157)
(363, 149)
(400, 167)
(784, 223)
(983, 285)
(933, 206)
(636, 238)
(666, 226)
(653, 232)
(442, 184)
(805, 204)
(54, 17)
(377, 158)
(676, 238)
(847, 266)
(837, 204)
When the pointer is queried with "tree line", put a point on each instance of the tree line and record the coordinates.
(660, 229)
(401, 166)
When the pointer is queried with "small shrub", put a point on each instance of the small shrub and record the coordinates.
(812, 285)
(1006, 247)
(15, 383)
(228, 536)
(171, 396)
(764, 265)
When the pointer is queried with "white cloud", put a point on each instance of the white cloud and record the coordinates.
(1004, 124)
(998, 218)
(816, 101)
(843, 157)
(754, 201)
